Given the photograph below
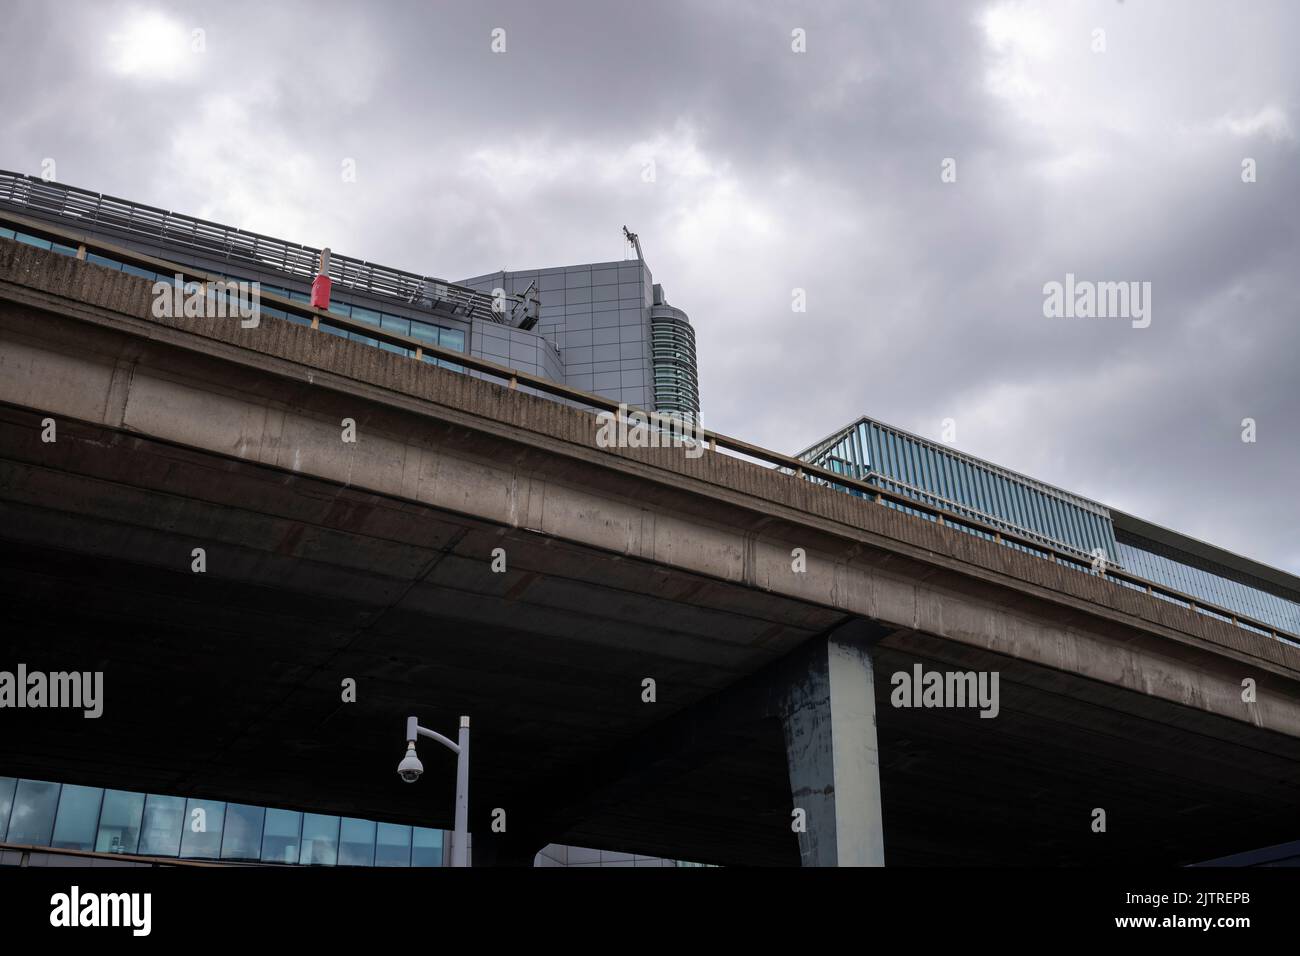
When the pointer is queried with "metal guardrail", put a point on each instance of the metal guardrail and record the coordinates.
(515, 378)
(236, 245)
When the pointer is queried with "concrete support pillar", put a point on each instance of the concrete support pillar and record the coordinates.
(829, 716)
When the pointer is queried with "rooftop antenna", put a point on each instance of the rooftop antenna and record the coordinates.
(632, 238)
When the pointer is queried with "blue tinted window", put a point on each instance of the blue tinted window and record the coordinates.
(332, 330)
(33, 241)
(320, 840)
(424, 332)
(340, 308)
(201, 837)
(280, 840)
(368, 316)
(452, 339)
(101, 261)
(32, 819)
(242, 837)
(119, 822)
(7, 785)
(426, 847)
(78, 817)
(357, 843)
(65, 250)
(7, 234)
(393, 845)
(160, 831)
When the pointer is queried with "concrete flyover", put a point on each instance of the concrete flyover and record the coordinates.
(372, 560)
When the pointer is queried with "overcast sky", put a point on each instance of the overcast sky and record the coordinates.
(776, 170)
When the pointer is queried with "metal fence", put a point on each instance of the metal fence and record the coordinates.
(80, 207)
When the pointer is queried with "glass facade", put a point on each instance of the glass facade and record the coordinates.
(65, 816)
(936, 475)
(672, 344)
(444, 336)
(1155, 563)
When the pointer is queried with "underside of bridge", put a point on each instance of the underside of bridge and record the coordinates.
(228, 683)
(380, 563)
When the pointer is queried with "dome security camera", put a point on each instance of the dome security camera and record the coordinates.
(410, 768)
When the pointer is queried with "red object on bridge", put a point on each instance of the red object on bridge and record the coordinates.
(320, 292)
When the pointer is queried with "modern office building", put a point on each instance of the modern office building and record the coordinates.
(939, 476)
(601, 327)
(612, 331)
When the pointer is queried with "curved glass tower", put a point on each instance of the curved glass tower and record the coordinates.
(672, 353)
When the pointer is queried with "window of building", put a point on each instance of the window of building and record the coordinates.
(7, 785)
(119, 822)
(320, 840)
(242, 837)
(78, 817)
(357, 842)
(393, 845)
(201, 837)
(160, 831)
(31, 821)
(281, 836)
(426, 847)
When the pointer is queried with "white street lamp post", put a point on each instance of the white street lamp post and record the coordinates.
(410, 769)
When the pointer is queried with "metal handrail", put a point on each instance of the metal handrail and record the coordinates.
(515, 378)
(237, 245)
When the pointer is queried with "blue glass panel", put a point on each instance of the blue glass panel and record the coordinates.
(78, 817)
(426, 847)
(119, 822)
(357, 843)
(368, 316)
(395, 323)
(31, 821)
(201, 838)
(7, 785)
(280, 840)
(160, 831)
(242, 837)
(33, 240)
(320, 840)
(393, 845)
(7, 234)
(424, 331)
